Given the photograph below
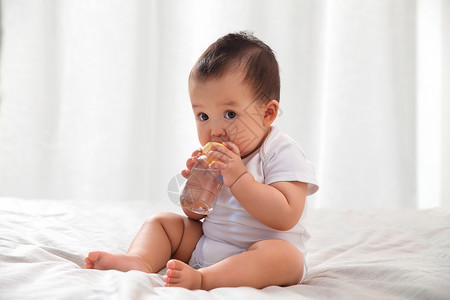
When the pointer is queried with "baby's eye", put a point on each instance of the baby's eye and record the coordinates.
(230, 115)
(203, 116)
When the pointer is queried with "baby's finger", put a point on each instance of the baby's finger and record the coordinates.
(190, 163)
(222, 154)
(197, 152)
(220, 149)
(218, 165)
(186, 173)
(233, 148)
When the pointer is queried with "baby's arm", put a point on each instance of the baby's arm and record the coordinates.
(278, 205)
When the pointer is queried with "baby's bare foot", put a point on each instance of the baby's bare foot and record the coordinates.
(115, 261)
(182, 275)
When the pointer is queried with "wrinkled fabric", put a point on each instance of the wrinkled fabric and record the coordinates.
(390, 254)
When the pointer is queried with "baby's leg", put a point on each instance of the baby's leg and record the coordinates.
(265, 263)
(163, 236)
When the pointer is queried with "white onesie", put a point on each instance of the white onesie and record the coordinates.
(230, 229)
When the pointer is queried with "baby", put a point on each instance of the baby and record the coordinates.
(254, 236)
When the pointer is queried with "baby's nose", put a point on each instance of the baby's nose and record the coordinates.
(218, 129)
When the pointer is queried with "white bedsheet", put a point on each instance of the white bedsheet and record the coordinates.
(352, 254)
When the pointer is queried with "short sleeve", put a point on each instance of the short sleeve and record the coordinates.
(286, 161)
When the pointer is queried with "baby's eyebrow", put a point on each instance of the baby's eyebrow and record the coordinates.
(230, 103)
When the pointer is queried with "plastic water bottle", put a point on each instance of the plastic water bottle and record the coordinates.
(203, 186)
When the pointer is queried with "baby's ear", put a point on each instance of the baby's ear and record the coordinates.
(271, 112)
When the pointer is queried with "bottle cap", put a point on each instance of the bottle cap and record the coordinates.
(207, 148)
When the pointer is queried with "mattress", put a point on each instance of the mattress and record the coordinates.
(382, 254)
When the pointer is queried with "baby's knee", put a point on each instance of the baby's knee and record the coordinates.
(163, 217)
(291, 262)
(282, 256)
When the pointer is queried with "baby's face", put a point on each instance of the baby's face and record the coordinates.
(225, 110)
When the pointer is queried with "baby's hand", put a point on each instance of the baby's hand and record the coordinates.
(190, 163)
(229, 162)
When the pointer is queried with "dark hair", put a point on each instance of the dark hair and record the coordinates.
(247, 53)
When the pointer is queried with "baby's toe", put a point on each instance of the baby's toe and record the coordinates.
(175, 265)
(173, 273)
(94, 255)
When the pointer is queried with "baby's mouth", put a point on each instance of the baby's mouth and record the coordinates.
(219, 141)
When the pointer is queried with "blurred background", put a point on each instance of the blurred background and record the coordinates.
(94, 101)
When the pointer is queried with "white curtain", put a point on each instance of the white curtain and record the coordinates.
(94, 101)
